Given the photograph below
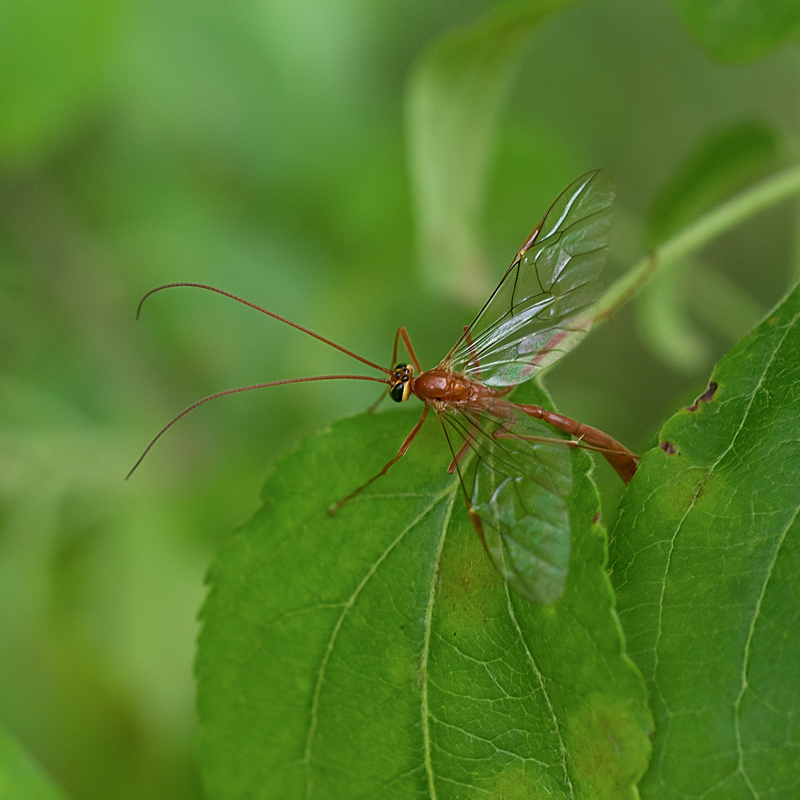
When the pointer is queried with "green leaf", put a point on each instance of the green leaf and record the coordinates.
(724, 217)
(664, 324)
(742, 29)
(729, 159)
(706, 560)
(379, 654)
(20, 777)
(454, 101)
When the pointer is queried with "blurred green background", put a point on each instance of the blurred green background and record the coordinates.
(261, 147)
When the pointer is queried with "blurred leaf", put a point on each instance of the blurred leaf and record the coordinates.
(453, 106)
(378, 653)
(770, 191)
(742, 29)
(718, 167)
(729, 159)
(665, 326)
(99, 585)
(693, 288)
(718, 301)
(20, 777)
(706, 558)
(514, 202)
(53, 66)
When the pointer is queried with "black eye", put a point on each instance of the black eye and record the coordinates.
(397, 391)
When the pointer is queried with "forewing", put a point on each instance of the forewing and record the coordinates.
(518, 496)
(543, 306)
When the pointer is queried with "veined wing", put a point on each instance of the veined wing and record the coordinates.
(543, 306)
(518, 498)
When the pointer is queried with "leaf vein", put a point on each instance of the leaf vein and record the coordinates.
(540, 679)
(423, 667)
(346, 607)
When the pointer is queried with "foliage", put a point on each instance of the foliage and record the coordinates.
(263, 147)
(455, 94)
(341, 658)
(20, 778)
(743, 30)
(705, 562)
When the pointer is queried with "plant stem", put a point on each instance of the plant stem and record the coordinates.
(726, 216)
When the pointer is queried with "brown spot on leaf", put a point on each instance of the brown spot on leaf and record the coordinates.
(706, 397)
(668, 448)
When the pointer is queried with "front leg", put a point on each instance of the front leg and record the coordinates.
(403, 450)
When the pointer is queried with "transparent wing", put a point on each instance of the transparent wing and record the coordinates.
(518, 498)
(543, 306)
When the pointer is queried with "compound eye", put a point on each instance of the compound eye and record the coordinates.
(401, 388)
(397, 391)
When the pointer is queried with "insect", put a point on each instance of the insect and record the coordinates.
(542, 307)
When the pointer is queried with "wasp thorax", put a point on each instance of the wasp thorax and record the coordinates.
(400, 388)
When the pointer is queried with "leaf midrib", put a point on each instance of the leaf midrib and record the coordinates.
(428, 625)
(348, 605)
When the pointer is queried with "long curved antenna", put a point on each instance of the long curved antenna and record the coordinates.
(214, 396)
(269, 314)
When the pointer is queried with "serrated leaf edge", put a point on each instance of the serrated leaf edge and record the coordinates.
(540, 679)
(745, 656)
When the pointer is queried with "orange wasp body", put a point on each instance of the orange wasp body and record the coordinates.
(542, 307)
